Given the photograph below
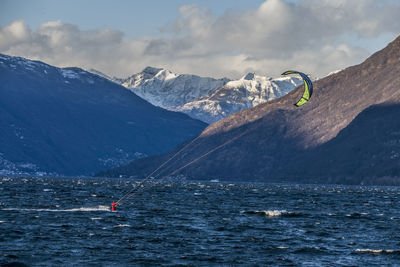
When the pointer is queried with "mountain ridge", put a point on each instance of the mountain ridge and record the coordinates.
(278, 134)
(49, 121)
(205, 98)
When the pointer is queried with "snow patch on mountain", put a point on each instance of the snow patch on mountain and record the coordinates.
(334, 72)
(204, 98)
(70, 74)
(247, 92)
(165, 89)
(39, 68)
(22, 63)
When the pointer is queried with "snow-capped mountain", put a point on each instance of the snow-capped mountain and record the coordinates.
(206, 98)
(165, 89)
(247, 92)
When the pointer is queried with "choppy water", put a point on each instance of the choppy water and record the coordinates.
(67, 222)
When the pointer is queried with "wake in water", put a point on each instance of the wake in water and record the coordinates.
(98, 208)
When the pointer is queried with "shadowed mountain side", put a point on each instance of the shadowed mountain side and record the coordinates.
(235, 160)
(270, 134)
(72, 122)
(367, 152)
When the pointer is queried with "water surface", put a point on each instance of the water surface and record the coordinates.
(54, 221)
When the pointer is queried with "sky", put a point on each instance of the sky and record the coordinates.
(216, 38)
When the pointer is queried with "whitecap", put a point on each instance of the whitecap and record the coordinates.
(274, 213)
(122, 225)
(268, 213)
(377, 251)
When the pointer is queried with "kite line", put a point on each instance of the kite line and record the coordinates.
(308, 90)
(133, 192)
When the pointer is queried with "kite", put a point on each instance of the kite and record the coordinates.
(308, 87)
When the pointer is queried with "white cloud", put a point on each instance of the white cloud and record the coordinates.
(316, 36)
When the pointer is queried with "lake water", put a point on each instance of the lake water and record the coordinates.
(54, 221)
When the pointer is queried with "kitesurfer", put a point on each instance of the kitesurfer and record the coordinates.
(113, 206)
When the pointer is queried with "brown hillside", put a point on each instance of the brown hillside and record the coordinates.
(273, 136)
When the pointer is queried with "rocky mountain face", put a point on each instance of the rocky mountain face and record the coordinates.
(72, 122)
(247, 92)
(165, 89)
(347, 133)
(205, 98)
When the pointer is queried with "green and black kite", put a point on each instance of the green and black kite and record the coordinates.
(308, 87)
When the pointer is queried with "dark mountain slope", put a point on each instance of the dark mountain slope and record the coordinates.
(273, 136)
(72, 122)
(367, 151)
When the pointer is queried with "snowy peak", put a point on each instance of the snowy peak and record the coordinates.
(206, 98)
(203, 98)
(166, 89)
(261, 89)
(249, 91)
(45, 71)
(22, 64)
(151, 70)
(148, 75)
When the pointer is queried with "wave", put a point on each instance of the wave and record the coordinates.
(98, 208)
(357, 215)
(271, 213)
(378, 251)
(122, 225)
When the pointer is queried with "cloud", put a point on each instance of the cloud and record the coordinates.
(312, 35)
(62, 44)
(316, 36)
